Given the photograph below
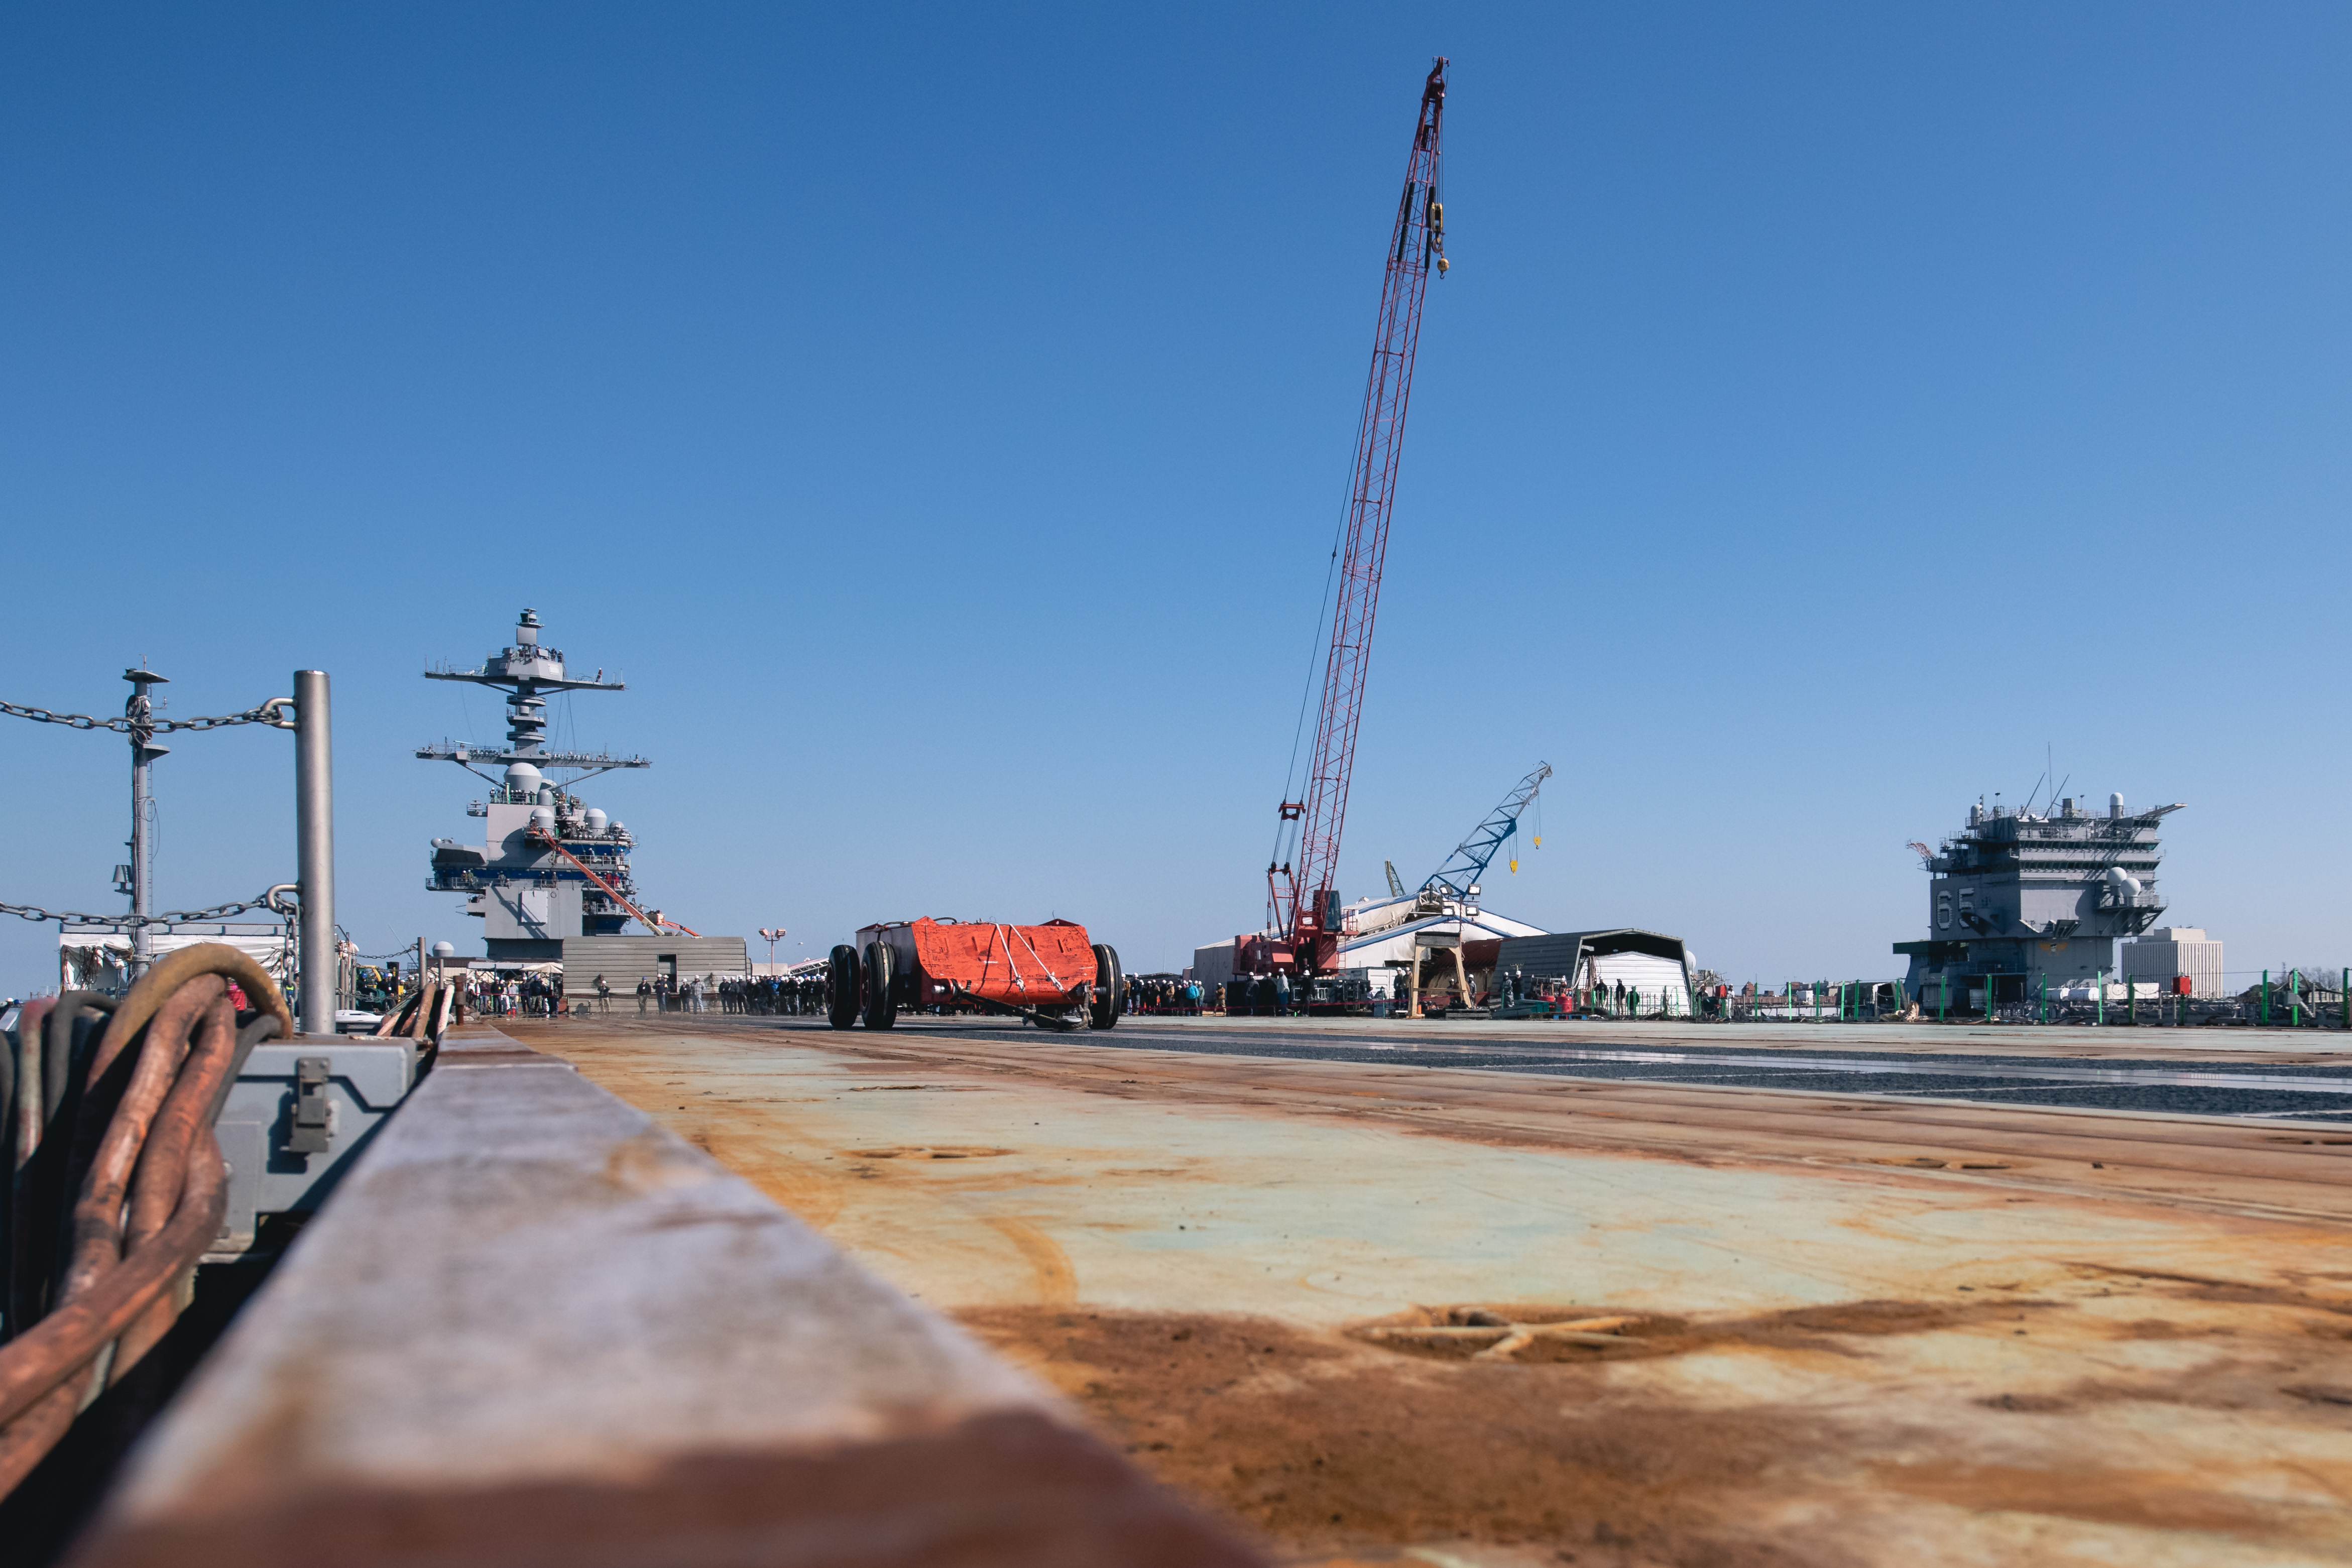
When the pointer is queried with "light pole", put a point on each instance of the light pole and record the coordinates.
(773, 936)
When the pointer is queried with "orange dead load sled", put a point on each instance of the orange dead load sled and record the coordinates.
(1049, 974)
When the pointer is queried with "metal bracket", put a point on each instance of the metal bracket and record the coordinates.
(313, 1109)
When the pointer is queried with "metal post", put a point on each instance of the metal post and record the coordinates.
(2099, 985)
(2266, 998)
(140, 711)
(314, 833)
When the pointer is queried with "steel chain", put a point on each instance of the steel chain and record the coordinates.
(265, 714)
(217, 912)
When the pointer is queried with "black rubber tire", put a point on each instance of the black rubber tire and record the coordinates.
(1110, 984)
(881, 1000)
(842, 983)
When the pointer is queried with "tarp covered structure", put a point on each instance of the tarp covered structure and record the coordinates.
(1022, 965)
(98, 957)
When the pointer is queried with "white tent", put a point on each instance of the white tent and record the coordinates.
(98, 957)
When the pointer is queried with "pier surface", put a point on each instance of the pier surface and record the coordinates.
(1904, 1316)
(535, 1329)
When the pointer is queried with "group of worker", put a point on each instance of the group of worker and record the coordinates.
(778, 995)
(1273, 994)
(762, 994)
(512, 996)
(1164, 994)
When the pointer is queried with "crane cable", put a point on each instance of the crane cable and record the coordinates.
(1322, 610)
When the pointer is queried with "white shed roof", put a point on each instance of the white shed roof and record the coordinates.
(1396, 943)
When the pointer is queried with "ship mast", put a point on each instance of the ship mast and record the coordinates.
(524, 671)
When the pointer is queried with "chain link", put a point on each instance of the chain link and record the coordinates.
(217, 912)
(266, 714)
(143, 724)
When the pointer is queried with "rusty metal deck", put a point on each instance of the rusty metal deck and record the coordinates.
(1848, 1330)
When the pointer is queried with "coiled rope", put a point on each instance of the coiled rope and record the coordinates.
(117, 1181)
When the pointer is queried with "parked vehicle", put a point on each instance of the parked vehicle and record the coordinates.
(1050, 974)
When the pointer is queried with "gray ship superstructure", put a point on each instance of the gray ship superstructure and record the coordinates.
(2015, 900)
(551, 867)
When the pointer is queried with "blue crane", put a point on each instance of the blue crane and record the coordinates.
(1458, 877)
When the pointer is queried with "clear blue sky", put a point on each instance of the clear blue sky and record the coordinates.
(939, 416)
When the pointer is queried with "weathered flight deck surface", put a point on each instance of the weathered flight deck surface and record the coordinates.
(1537, 1309)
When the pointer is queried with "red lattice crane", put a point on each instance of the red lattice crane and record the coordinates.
(1302, 906)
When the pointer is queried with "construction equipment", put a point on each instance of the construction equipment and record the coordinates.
(1050, 975)
(1303, 907)
(1457, 879)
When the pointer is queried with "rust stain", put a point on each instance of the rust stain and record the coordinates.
(1547, 1332)
(2183, 1279)
(2148, 1499)
(1057, 1280)
(1321, 1448)
(649, 1163)
(811, 1190)
(998, 1490)
(927, 1151)
(1328, 1446)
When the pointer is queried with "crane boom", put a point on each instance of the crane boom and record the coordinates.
(1458, 877)
(1302, 906)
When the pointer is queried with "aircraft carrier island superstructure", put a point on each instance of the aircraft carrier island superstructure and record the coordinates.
(2015, 900)
(551, 881)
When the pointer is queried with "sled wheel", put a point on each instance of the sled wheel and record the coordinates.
(841, 989)
(881, 1006)
(1108, 985)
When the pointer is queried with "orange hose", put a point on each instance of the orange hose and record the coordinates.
(151, 1163)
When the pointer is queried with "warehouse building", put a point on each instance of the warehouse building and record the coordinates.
(2172, 951)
